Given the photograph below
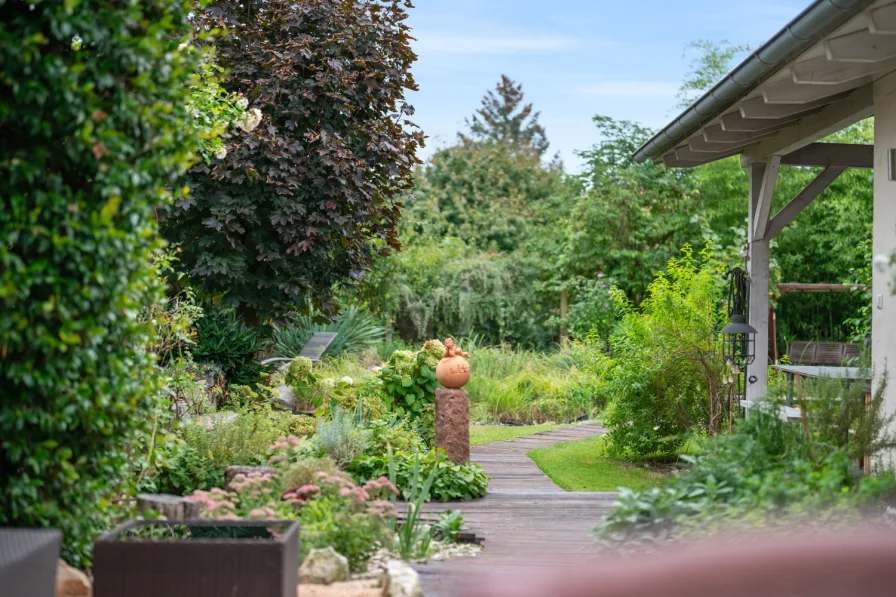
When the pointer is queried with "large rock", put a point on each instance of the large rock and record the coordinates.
(400, 580)
(452, 424)
(286, 399)
(323, 567)
(71, 582)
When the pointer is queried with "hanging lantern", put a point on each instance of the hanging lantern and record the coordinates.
(739, 343)
(738, 337)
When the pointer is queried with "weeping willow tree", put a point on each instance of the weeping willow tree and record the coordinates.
(438, 289)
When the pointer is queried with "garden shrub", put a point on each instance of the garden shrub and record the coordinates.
(451, 481)
(409, 382)
(765, 467)
(239, 396)
(303, 426)
(341, 437)
(227, 342)
(94, 131)
(332, 511)
(398, 433)
(667, 367)
(353, 525)
(210, 444)
(304, 472)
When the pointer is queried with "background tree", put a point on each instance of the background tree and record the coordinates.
(92, 132)
(487, 194)
(711, 63)
(629, 219)
(504, 118)
(308, 199)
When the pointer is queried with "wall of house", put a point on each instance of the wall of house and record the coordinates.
(883, 340)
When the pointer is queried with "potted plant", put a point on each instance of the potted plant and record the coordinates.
(237, 558)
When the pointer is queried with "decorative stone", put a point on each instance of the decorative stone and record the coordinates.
(400, 580)
(323, 567)
(173, 507)
(71, 582)
(232, 471)
(452, 423)
(453, 371)
(285, 398)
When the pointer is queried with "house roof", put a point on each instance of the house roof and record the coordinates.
(810, 79)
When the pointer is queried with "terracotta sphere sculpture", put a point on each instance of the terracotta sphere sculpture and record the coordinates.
(453, 371)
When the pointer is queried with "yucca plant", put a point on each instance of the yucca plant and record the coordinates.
(356, 331)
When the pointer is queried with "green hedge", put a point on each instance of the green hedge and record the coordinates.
(92, 131)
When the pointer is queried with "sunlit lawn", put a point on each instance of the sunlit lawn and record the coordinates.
(583, 466)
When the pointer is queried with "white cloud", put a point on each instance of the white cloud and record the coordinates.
(633, 89)
(448, 43)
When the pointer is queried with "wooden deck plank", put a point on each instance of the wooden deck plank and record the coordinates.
(526, 519)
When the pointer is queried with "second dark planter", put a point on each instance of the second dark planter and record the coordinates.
(198, 559)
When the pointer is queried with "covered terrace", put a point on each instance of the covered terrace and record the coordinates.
(830, 67)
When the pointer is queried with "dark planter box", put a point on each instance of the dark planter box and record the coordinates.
(207, 558)
(28, 561)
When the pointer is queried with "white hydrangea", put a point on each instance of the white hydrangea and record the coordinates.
(249, 120)
(242, 103)
(348, 380)
(221, 152)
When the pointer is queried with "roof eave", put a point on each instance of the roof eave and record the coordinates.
(810, 26)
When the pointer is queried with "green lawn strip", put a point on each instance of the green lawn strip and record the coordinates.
(483, 434)
(582, 466)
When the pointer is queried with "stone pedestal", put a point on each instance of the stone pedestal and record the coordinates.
(453, 424)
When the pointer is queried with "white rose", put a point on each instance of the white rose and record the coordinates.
(221, 152)
(242, 103)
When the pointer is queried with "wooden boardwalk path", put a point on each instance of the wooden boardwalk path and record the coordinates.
(526, 519)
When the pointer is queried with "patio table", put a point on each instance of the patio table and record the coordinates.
(798, 372)
(847, 374)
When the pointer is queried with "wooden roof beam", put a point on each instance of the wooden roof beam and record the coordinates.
(802, 199)
(785, 287)
(840, 155)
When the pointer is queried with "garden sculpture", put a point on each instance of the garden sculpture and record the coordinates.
(453, 371)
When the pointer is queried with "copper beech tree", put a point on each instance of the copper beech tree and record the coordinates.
(308, 198)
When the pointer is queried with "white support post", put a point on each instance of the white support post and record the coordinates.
(883, 308)
(762, 184)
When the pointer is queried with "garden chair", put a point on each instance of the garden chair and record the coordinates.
(314, 349)
(821, 353)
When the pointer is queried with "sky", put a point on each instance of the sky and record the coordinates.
(575, 58)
